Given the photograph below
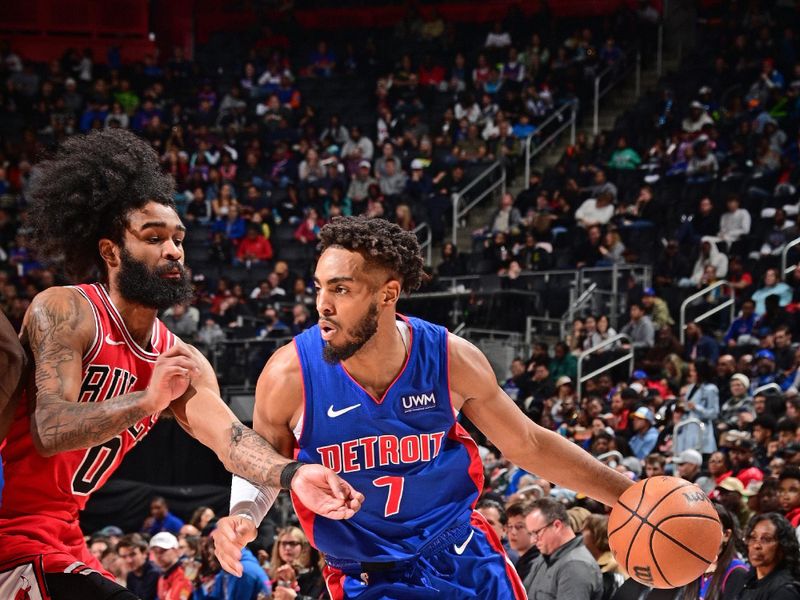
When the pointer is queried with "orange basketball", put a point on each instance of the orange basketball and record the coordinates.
(664, 532)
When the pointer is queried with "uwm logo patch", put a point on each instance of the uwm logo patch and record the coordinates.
(417, 402)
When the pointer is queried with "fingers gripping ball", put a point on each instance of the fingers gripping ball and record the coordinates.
(664, 532)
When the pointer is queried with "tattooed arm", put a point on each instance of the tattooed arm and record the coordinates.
(204, 416)
(12, 365)
(59, 328)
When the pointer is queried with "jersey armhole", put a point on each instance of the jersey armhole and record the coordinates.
(97, 343)
(300, 431)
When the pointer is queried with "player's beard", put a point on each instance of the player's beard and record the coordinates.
(359, 335)
(138, 283)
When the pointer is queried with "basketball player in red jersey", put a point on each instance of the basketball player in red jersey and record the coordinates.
(105, 367)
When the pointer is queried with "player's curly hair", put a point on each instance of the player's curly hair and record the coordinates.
(380, 242)
(85, 193)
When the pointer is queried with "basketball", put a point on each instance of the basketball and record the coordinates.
(664, 531)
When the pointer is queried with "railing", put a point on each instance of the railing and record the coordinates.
(569, 315)
(729, 303)
(542, 325)
(628, 356)
(681, 424)
(496, 169)
(427, 243)
(620, 76)
(785, 256)
(558, 116)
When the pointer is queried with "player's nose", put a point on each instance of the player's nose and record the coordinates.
(172, 251)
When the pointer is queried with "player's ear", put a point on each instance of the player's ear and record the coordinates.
(391, 292)
(109, 252)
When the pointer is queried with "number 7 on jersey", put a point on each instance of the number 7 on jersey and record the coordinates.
(395, 485)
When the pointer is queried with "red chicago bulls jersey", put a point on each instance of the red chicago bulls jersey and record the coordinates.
(59, 486)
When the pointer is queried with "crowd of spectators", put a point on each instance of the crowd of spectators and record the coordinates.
(698, 180)
(261, 161)
(169, 559)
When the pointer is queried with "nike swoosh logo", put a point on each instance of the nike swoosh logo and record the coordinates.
(460, 549)
(338, 413)
(112, 342)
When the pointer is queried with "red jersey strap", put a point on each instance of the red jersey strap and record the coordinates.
(97, 343)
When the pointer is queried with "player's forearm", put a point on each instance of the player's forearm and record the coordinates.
(251, 456)
(560, 461)
(243, 452)
(59, 425)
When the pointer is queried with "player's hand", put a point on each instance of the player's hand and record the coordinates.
(171, 377)
(324, 492)
(230, 536)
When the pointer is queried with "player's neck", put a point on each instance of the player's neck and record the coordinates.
(376, 365)
(137, 318)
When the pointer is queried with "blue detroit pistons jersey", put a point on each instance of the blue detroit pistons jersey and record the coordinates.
(418, 469)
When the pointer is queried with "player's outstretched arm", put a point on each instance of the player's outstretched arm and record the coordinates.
(279, 395)
(522, 441)
(247, 454)
(12, 366)
(59, 328)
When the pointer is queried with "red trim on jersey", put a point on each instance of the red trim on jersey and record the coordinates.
(458, 434)
(97, 344)
(304, 514)
(305, 396)
(333, 581)
(480, 523)
(113, 313)
(403, 370)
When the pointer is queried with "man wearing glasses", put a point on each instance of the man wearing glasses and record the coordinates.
(565, 567)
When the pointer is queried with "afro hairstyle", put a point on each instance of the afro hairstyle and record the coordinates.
(85, 193)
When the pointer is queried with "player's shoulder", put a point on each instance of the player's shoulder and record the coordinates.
(60, 308)
(279, 390)
(284, 362)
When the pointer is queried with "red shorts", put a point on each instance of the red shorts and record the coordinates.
(59, 543)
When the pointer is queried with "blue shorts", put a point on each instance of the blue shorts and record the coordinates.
(466, 561)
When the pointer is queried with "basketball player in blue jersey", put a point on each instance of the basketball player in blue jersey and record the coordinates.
(375, 396)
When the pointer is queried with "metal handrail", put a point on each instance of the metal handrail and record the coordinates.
(426, 245)
(690, 421)
(598, 93)
(530, 320)
(765, 387)
(617, 361)
(458, 197)
(785, 255)
(730, 302)
(580, 301)
(531, 151)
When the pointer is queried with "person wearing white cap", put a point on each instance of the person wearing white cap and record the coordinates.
(697, 118)
(644, 440)
(688, 463)
(740, 401)
(173, 583)
(359, 185)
